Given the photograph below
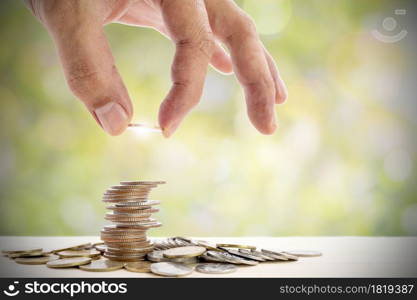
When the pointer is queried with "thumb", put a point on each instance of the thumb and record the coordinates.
(92, 75)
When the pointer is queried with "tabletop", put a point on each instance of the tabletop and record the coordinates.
(349, 256)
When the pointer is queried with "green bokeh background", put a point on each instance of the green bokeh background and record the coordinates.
(343, 161)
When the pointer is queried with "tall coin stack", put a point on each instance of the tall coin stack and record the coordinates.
(131, 212)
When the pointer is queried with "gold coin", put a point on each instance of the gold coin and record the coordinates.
(122, 227)
(21, 251)
(78, 253)
(76, 247)
(68, 262)
(124, 193)
(26, 254)
(236, 246)
(128, 245)
(142, 182)
(102, 265)
(110, 241)
(130, 250)
(138, 203)
(36, 260)
(138, 267)
(124, 258)
(187, 251)
(207, 245)
(137, 188)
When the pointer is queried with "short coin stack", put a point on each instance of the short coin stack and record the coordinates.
(131, 211)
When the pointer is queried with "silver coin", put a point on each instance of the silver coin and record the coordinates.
(277, 254)
(156, 256)
(171, 269)
(209, 258)
(230, 258)
(257, 253)
(214, 268)
(245, 255)
(303, 253)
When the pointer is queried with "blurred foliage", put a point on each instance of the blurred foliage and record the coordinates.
(343, 161)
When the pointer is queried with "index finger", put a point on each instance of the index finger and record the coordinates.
(188, 26)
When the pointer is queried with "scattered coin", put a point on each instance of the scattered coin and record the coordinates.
(78, 253)
(230, 258)
(68, 262)
(245, 255)
(279, 255)
(76, 247)
(102, 265)
(236, 246)
(216, 268)
(303, 253)
(156, 256)
(138, 267)
(26, 254)
(21, 251)
(171, 269)
(100, 247)
(258, 253)
(207, 245)
(188, 251)
(35, 260)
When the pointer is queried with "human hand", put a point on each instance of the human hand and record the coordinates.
(197, 28)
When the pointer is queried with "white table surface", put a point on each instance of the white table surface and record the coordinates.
(342, 257)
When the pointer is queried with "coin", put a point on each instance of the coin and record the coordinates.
(21, 251)
(127, 245)
(303, 253)
(188, 251)
(209, 258)
(76, 247)
(230, 258)
(156, 256)
(216, 268)
(26, 254)
(138, 267)
(78, 253)
(258, 253)
(68, 262)
(245, 255)
(138, 203)
(100, 247)
(139, 182)
(276, 254)
(129, 250)
(35, 260)
(171, 269)
(236, 246)
(207, 245)
(102, 265)
(127, 209)
(123, 258)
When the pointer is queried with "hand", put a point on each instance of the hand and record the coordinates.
(197, 28)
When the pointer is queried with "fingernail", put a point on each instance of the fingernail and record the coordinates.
(170, 129)
(112, 117)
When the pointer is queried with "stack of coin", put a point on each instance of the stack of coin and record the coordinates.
(130, 211)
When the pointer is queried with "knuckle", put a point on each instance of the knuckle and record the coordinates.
(246, 24)
(84, 80)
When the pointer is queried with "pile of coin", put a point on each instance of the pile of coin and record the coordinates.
(172, 257)
(130, 211)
